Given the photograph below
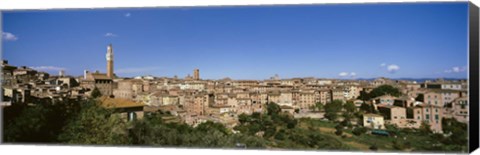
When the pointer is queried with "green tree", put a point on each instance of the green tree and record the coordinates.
(243, 118)
(383, 90)
(96, 93)
(30, 126)
(397, 145)
(419, 98)
(379, 91)
(366, 108)
(350, 107)
(41, 123)
(339, 130)
(269, 132)
(350, 110)
(364, 96)
(458, 132)
(425, 128)
(359, 130)
(273, 108)
(96, 125)
(209, 125)
(373, 147)
(280, 135)
(332, 109)
(319, 106)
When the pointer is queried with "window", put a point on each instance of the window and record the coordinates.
(427, 116)
(426, 110)
(436, 117)
(418, 117)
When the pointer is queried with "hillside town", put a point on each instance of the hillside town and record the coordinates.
(194, 100)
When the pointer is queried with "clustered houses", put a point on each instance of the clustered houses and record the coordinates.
(29, 86)
(194, 100)
(425, 103)
(223, 100)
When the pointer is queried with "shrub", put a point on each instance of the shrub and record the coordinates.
(338, 132)
(359, 131)
(373, 147)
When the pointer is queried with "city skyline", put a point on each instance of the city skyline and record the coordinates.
(348, 41)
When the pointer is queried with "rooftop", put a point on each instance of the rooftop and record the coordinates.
(372, 115)
(108, 102)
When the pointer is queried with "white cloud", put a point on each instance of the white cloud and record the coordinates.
(353, 74)
(456, 69)
(383, 65)
(128, 14)
(110, 35)
(7, 36)
(47, 68)
(343, 74)
(393, 68)
(136, 70)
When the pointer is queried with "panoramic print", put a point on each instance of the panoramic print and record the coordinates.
(346, 77)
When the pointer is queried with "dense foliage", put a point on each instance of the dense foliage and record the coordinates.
(42, 122)
(88, 123)
(379, 91)
(95, 125)
(332, 109)
(96, 93)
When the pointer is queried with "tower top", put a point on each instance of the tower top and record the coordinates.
(110, 48)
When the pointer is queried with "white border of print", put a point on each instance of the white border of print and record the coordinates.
(82, 150)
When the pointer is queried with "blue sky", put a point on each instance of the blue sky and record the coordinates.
(422, 40)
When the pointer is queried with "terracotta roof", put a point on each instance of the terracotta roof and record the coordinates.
(372, 115)
(100, 76)
(119, 103)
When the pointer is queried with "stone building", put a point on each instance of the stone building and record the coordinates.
(458, 109)
(394, 114)
(99, 80)
(429, 114)
(337, 94)
(196, 74)
(102, 81)
(373, 121)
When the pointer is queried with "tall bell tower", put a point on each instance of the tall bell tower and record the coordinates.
(110, 61)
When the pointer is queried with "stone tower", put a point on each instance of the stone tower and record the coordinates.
(196, 74)
(110, 61)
